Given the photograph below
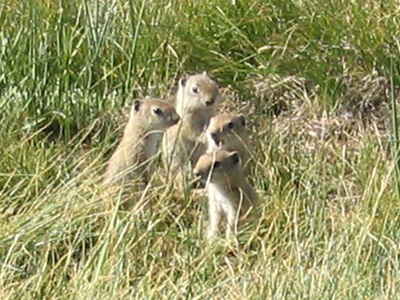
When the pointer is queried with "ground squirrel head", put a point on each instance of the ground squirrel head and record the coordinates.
(226, 129)
(218, 166)
(154, 114)
(197, 91)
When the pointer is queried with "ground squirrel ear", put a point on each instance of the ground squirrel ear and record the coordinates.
(210, 78)
(242, 120)
(235, 157)
(136, 105)
(183, 80)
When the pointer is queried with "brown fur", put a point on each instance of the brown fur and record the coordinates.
(196, 103)
(143, 132)
(228, 132)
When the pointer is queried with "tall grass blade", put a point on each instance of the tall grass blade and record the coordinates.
(395, 130)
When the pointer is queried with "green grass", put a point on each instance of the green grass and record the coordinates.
(318, 81)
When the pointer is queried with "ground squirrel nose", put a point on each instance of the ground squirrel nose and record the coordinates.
(210, 102)
(176, 119)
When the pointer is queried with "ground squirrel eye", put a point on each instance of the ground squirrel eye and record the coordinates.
(231, 125)
(157, 111)
(217, 164)
(195, 90)
(136, 105)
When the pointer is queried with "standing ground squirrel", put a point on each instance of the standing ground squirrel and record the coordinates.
(229, 194)
(148, 119)
(196, 103)
(228, 132)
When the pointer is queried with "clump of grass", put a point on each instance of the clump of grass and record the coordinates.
(56, 54)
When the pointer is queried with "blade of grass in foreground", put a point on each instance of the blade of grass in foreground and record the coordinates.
(135, 31)
(395, 138)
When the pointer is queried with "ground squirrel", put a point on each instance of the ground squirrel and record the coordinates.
(229, 194)
(228, 132)
(148, 119)
(197, 99)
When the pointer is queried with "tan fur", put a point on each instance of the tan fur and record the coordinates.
(229, 194)
(148, 120)
(196, 103)
(228, 132)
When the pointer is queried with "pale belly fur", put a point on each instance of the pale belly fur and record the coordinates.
(153, 142)
(221, 198)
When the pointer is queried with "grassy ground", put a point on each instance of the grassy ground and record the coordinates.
(317, 80)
